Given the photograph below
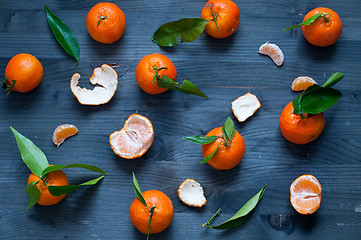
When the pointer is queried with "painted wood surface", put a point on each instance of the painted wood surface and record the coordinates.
(224, 70)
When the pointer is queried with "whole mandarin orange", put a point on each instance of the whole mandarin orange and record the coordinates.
(26, 70)
(300, 130)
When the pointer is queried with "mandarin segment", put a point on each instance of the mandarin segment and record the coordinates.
(62, 132)
(305, 194)
(134, 139)
(163, 212)
(302, 83)
(273, 51)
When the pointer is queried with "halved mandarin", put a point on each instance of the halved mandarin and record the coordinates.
(134, 139)
(302, 83)
(306, 194)
(62, 132)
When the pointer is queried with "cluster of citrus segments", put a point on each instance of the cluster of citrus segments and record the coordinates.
(301, 121)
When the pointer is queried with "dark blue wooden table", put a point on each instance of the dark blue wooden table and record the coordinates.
(224, 70)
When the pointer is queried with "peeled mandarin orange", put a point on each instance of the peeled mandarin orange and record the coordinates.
(134, 139)
(62, 132)
(305, 194)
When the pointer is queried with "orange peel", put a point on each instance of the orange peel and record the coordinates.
(107, 79)
(191, 193)
(245, 106)
(134, 139)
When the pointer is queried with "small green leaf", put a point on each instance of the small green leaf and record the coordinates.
(202, 140)
(7, 87)
(188, 29)
(228, 129)
(316, 100)
(242, 214)
(32, 156)
(75, 165)
(138, 191)
(333, 79)
(187, 87)
(206, 159)
(60, 190)
(63, 35)
(308, 21)
(33, 194)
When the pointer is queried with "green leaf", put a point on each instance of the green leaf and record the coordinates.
(32, 156)
(7, 87)
(333, 79)
(296, 101)
(316, 100)
(202, 140)
(228, 129)
(33, 194)
(242, 214)
(308, 21)
(138, 191)
(206, 159)
(188, 29)
(75, 165)
(63, 35)
(60, 190)
(187, 87)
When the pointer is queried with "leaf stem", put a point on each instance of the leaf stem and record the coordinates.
(101, 18)
(151, 211)
(214, 16)
(156, 72)
(326, 17)
(211, 219)
(8, 87)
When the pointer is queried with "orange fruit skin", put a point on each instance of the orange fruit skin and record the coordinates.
(26, 70)
(226, 157)
(56, 178)
(110, 29)
(227, 19)
(303, 184)
(298, 130)
(144, 72)
(162, 216)
(320, 33)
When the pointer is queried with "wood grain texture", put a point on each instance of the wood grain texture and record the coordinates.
(224, 69)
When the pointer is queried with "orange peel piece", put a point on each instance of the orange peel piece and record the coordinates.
(106, 77)
(63, 132)
(273, 51)
(245, 106)
(302, 83)
(191, 193)
(134, 139)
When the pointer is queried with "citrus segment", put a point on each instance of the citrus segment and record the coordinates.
(273, 51)
(306, 194)
(191, 193)
(62, 132)
(134, 139)
(302, 83)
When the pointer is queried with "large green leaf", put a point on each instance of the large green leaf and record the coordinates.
(63, 34)
(33, 194)
(187, 87)
(60, 190)
(32, 156)
(242, 214)
(75, 165)
(187, 29)
(316, 100)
